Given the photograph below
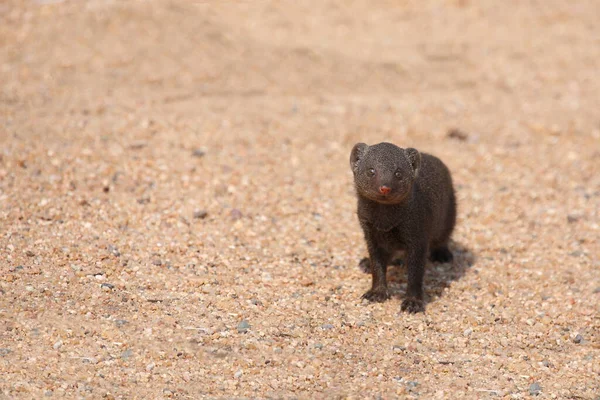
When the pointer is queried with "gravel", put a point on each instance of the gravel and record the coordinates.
(279, 92)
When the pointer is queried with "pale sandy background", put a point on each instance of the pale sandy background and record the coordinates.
(124, 122)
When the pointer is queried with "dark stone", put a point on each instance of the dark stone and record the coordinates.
(198, 153)
(200, 214)
(243, 326)
(535, 389)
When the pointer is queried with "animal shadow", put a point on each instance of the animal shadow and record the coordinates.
(438, 276)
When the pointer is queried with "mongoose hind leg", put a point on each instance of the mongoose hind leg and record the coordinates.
(441, 255)
(365, 265)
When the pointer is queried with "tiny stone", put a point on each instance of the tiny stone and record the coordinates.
(535, 389)
(200, 214)
(572, 218)
(236, 214)
(398, 349)
(545, 363)
(126, 354)
(318, 346)
(576, 253)
(412, 384)
(113, 250)
(29, 253)
(243, 326)
(597, 290)
(48, 393)
(198, 153)
(578, 339)
(157, 262)
(457, 134)
(121, 322)
(150, 367)
(107, 286)
(327, 326)
(4, 352)
(467, 332)
(20, 267)
(238, 374)
(57, 345)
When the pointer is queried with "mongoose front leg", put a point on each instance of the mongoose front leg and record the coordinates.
(379, 291)
(415, 260)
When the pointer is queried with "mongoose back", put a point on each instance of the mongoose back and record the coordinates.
(406, 202)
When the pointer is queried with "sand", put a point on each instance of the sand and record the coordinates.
(177, 215)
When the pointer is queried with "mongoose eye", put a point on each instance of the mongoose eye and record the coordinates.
(371, 171)
(398, 174)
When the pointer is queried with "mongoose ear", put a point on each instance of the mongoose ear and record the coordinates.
(357, 153)
(415, 159)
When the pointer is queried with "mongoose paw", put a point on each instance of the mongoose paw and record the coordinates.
(378, 295)
(442, 255)
(365, 265)
(413, 305)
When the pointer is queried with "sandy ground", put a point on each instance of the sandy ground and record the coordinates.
(177, 215)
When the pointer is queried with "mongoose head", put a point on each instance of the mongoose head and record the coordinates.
(384, 172)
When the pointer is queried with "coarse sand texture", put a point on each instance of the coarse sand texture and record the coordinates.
(178, 218)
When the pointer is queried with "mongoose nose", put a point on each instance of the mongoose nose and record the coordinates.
(384, 190)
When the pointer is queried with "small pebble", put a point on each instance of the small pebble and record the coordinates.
(318, 346)
(57, 345)
(235, 214)
(243, 326)
(29, 253)
(597, 290)
(126, 354)
(121, 322)
(467, 332)
(150, 366)
(327, 327)
(4, 352)
(199, 153)
(238, 374)
(48, 393)
(535, 389)
(157, 261)
(113, 250)
(578, 339)
(200, 214)
(107, 287)
(457, 134)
